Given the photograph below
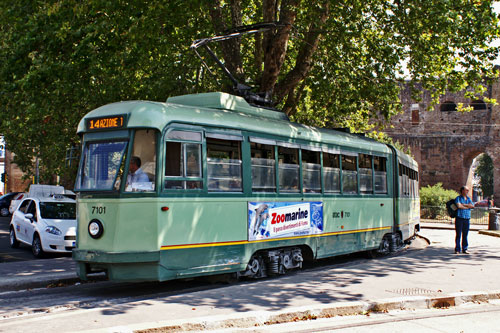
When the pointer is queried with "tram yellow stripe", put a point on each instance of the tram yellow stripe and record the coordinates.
(198, 245)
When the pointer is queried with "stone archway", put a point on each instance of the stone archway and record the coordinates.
(494, 153)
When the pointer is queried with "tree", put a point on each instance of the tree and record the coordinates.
(332, 64)
(484, 170)
(341, 58)
(61, 59)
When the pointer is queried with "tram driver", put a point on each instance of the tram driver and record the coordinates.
(137, 179)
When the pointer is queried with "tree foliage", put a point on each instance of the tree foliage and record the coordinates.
(333, 64)
(484, 170)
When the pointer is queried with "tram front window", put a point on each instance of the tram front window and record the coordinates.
(101, 166)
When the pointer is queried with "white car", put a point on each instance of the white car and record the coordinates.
(16, 201)
(47, 224)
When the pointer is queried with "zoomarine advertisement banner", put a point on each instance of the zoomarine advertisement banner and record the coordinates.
(269, 220)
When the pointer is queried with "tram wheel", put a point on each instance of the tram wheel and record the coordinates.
(254, 266)
(385, 245)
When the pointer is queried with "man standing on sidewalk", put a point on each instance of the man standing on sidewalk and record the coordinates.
(462, 221)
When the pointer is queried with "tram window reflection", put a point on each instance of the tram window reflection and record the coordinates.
(349, 175)
(103, 163)
(183, 164)
(263, 168)
(311, 171)
(331, 172)
(380, 167)
(365, 173)
(288, 169)
(224, 165)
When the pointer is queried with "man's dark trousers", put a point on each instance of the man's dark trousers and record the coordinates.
(462, 230)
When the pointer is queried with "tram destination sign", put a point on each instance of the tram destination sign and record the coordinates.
(108, 122)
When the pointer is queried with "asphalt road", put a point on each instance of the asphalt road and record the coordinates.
(8, 254)
(417, 273)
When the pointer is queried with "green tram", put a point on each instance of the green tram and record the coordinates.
(226, 187)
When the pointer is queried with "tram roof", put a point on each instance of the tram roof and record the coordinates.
(216, 109)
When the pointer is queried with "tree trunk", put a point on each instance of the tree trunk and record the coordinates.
(287, 85)
(276, 44)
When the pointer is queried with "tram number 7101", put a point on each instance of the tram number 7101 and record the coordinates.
(98, 210)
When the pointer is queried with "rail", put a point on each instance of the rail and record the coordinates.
(438, 214)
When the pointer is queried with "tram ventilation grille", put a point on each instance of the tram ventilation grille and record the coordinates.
(413, 291)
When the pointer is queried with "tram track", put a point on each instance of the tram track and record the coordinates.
(33, 302)
(96, 294)
(100, 294)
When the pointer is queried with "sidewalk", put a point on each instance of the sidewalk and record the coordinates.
(420, 278)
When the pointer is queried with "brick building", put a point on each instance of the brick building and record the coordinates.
(445, 141)
(15, 181)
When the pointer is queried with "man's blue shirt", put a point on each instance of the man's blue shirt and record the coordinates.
(463, 213)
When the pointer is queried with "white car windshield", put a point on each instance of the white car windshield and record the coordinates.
(58, 210)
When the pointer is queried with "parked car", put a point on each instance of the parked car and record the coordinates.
(47, 224)
(5, 203)
(16, 201)
(482, 203)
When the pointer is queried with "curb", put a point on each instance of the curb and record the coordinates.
(257, 319)
(16, 284)
(494, 233)
(448, 227)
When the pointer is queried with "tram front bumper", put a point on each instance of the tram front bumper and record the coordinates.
(124, 266)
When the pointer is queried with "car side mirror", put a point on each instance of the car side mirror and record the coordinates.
(29, 216)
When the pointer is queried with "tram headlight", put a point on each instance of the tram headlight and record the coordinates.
(95, 228)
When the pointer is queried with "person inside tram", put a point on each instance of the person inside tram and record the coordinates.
(136, 176)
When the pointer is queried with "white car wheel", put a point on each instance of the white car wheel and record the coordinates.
(36, 247)
(14, 243)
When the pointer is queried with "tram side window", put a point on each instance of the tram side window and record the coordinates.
(288, 169)
(365, 173)
(417, 188)
(183, 160)
(331, 172)
(263, 167)
(311, 171)
(406, 183)
(414, 183)
(224, 165)
(349, 175)
(400, 179)
(379, 164)
(142, 168)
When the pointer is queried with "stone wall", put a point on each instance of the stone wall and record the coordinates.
(444, 143)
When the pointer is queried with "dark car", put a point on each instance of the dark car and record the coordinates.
(5, 203)
(482, 203)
